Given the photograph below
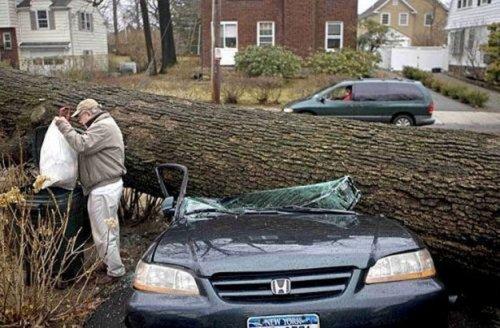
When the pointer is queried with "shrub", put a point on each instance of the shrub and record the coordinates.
(257, 61)
(492, 51)
(267, 90)
(233, 89)
(24, 240)
(477, 98)
(458, 92)
(345, 62)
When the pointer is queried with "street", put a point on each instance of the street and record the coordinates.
(451, 114)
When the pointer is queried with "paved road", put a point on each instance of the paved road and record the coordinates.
(451, 114)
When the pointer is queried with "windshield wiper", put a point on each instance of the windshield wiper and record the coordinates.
(208, 210)
(296, 208)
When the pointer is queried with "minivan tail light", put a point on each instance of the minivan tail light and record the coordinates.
(430, 109)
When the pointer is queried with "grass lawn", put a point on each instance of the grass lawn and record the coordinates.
(179, 82)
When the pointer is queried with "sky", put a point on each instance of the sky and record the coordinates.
(365, 4)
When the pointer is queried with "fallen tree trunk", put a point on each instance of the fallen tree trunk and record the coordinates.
(442, 184)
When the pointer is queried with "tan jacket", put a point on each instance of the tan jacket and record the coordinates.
(101, 153)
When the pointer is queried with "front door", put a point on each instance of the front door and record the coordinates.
(229, 42)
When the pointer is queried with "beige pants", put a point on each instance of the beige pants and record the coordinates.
(103, 213)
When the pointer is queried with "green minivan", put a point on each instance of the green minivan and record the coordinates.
(400, 102)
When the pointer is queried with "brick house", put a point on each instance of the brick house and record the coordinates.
(303, 26)
(8, 38)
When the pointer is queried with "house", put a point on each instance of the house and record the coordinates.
(8, 37)
(410, 22)
(303, 26)
(467, 30)
(54, 35)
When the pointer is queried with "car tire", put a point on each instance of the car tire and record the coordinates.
(403, 120)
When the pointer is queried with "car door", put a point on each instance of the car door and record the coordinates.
(370, 102)
(331, 103)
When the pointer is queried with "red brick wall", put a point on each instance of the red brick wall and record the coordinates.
(10, 55)
(299, 24)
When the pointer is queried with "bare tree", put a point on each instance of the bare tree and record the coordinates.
(115, 23)
(168, 57)
(147, 35)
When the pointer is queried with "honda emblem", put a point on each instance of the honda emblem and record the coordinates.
(281, 286)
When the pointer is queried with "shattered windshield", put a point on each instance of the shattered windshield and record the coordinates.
(339, 195)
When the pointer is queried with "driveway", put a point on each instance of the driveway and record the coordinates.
(451, 114)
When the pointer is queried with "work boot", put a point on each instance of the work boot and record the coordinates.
(107, 280)
(101, 268)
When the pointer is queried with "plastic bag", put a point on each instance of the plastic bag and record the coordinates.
(58, 161)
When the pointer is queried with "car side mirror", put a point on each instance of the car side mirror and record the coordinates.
(322, 100)
(168, 206)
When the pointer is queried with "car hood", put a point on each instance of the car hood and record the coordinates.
(250, 243)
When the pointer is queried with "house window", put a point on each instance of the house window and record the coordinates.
(265, 33)
(483, 2)
(457, 42)
(471, 41)
(87, 52)
(465, 3)
(428, 19)
(85, 21)
(229, 34)
(7, 41)
(334, 35)
(385, 19)
(403, 19)
(42, 19)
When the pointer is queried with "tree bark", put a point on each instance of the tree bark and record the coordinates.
(168, 57)
(442, 184)
(151, 68)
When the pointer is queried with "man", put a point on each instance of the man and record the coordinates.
(101, 166)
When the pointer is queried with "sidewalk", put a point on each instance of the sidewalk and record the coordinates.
(493, 103)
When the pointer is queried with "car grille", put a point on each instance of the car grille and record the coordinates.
(305, 285)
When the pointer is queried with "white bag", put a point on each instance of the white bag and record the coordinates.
(58, 161)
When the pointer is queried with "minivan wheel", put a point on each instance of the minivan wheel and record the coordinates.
(403, 120)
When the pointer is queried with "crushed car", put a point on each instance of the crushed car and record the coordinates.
(292, 257)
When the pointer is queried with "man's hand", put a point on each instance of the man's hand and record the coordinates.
(60, 119)
(65, 112)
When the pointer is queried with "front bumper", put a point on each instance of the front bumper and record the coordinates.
(408, 304)
(424, 120)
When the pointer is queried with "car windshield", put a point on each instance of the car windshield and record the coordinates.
(338, 196)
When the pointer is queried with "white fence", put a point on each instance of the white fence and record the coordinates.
(424, 58)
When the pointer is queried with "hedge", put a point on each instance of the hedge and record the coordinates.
(455, 91)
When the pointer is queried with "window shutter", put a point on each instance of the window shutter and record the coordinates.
(52, 20)
(91, 22)
(79, 15)
(33, 20)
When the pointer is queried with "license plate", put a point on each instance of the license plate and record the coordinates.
(285, 321)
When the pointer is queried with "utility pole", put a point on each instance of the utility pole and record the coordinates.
(215, 67)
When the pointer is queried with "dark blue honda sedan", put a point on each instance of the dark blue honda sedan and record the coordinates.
(296, 257)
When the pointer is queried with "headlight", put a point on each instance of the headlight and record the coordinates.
(288, 110)
(407, 266)
(163, 279)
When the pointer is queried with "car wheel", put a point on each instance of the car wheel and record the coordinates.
(403, 120)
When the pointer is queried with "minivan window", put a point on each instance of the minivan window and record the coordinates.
(403, 91)
(370, 91)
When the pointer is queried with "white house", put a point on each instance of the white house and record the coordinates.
(467, 29)
(8, 24)
(55, 35)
